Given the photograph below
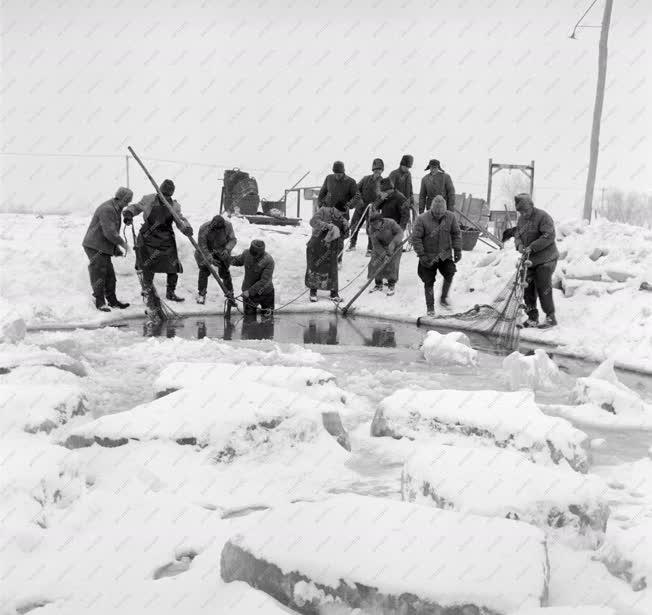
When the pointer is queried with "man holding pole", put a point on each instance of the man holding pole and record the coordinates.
(156, 247)
(217, 240)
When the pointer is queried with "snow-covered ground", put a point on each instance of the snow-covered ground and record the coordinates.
(154, 513)
(602, 312)
(131, 465)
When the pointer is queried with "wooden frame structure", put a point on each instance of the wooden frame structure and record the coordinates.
(494, 167)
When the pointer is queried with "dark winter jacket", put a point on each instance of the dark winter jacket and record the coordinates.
(339, 193)
(103, 232)
(536, 231)
(146, 204)
(258, 272)
(214, 240)
(436, 239)
(396, 207)
(434, 184)
(369, 187)
(403, 182)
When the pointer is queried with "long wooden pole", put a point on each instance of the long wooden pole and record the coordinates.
(179, 221)
(386, 261)
(597, 111)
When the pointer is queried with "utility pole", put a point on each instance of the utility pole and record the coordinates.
(597, 111)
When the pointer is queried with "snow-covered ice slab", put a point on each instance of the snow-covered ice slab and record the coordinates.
(567, 610)
(450, 348)
(38, 408)
(537, 371)
(501, 483)
(234, 421)
(386, 556)
(493, 418)
(183, 374)
(36, 479)
(627, 553)
(27, 375)
(17, 355)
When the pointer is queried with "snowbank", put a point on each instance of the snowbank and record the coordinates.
(453, 347)
(537, 371)
(568, 610)
(502, 483)
(29, 374)
(490, 418)
(627, 553)
(39, 407)
(323, 553)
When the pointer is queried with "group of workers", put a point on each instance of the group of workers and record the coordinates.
(385, 206)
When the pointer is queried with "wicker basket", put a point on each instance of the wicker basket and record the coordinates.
(469, 239)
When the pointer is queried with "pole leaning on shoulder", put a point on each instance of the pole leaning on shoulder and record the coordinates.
(179, 222)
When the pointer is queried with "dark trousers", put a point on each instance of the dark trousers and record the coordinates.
(204, 274)
(357, 215)
(102, 275)
(428, 275)
(173, 278)
(539, 283)
(264, 301)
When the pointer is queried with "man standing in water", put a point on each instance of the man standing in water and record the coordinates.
(156, 247)
(101, 242)
(438, 244)
(535, 236)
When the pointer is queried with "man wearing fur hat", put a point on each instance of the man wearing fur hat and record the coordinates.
(156, 247)
(437, 182)
(257, 285)
(101, 242)
(216, 239)
(339, 190)
(402, 180)
(437, 242)
(535, 236)
(369, 189)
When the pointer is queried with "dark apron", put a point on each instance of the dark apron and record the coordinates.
(156, 247)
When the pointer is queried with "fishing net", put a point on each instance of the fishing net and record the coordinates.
(499, 319)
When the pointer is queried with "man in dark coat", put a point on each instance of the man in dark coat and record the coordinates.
(156, 247)
(402, 180)
(438, 244)
(216, 239)
(369, 189)
(437, 182)
(386, 236)
(535, 236)
(392, 203)
(257, 285)
(101, 242)
(339, 190)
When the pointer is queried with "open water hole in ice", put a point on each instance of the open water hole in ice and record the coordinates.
(370, 357)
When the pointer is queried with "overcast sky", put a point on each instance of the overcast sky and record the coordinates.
(280, 88)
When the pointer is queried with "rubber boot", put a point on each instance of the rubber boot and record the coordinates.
(446, 286)
(115, 303)
(335, 297)
(549, 322)
(100, 305)
(313, 295)
(430, 299)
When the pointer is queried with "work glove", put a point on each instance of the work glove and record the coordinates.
(187, 231)
(128, 218)
(245, 294)
(425, 261)
(124, 246)
(458, 256)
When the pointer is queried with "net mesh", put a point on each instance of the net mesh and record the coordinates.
(498, 319)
